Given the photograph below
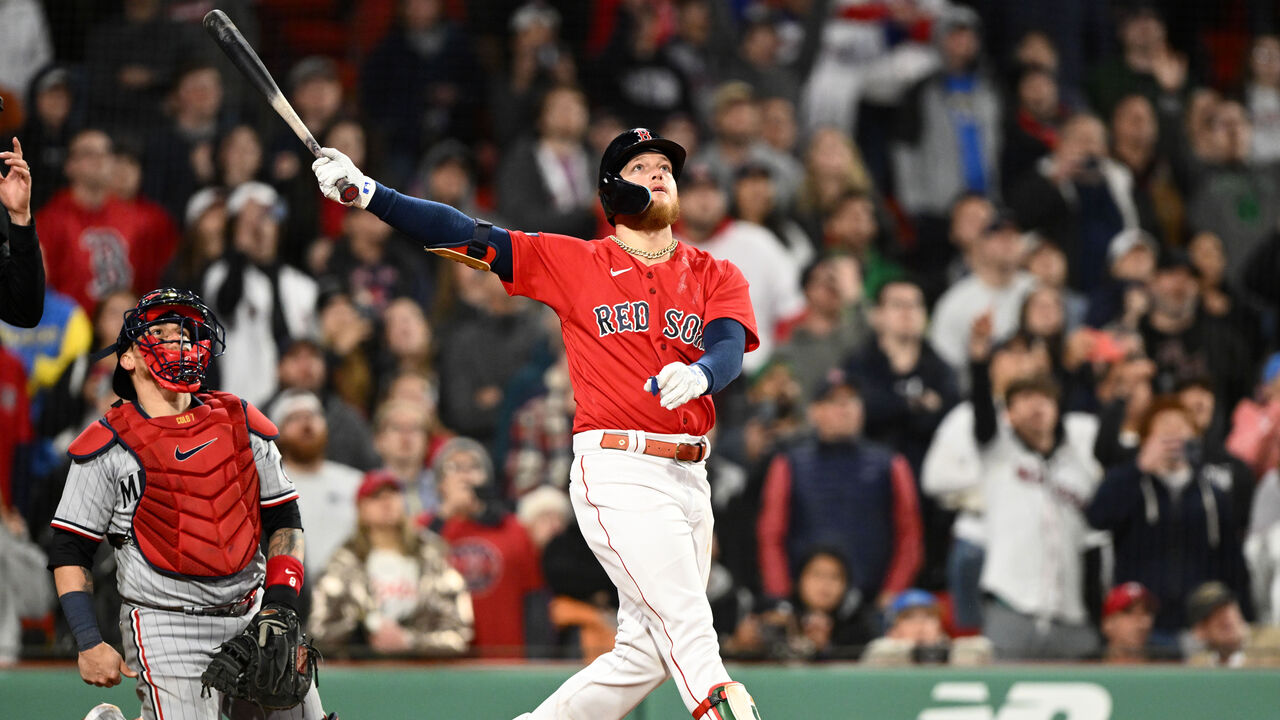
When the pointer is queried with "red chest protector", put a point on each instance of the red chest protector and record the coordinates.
(198, 515)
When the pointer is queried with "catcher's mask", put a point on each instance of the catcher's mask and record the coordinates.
(177, 335)
(618, 196)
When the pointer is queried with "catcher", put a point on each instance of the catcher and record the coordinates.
(185, 484)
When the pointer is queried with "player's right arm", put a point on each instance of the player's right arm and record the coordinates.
(79, 525)
(99, 663)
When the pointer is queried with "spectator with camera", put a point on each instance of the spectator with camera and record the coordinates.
(1225, 469)
(264, 301)
(489, 546)
(916, 636)
(1172, 526)
(1079, 198)
(825, 618)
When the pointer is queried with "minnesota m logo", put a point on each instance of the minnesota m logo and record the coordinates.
(129, 491)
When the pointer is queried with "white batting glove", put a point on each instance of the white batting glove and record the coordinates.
(332, 167)
(677, 384)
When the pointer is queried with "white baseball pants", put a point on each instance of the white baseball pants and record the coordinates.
(648, 520)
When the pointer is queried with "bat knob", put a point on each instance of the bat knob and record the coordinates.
(348, 192)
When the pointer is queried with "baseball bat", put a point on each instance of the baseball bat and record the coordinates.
(228, 37)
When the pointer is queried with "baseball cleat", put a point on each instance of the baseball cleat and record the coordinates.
(727, 701)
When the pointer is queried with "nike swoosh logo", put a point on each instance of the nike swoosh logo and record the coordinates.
(180, 455)
(616, 273)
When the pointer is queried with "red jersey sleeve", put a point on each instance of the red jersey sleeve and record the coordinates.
(544, 267)
(729, 299)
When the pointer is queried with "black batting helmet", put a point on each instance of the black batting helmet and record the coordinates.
(619, 197)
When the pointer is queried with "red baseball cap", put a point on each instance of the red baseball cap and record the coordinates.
(1123, 597)
(376, 480)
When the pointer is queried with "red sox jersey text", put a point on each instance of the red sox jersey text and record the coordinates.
(623, 321)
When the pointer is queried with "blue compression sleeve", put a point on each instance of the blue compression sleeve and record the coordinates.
(77, 606)
(725, 340)
(437, 225)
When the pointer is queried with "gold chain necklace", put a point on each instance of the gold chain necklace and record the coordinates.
(647, 254)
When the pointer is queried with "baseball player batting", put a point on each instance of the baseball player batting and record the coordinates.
(651, 328)
(183, 484)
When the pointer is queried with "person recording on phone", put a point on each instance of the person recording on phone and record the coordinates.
(1172, 524)
(21, 265)
(1079, 198)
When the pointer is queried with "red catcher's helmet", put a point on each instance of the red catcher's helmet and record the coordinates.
(180, 364)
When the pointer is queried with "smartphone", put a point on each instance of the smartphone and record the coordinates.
(1193, 451)
(1106, 348)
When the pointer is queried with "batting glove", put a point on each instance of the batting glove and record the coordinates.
(678, 383)
(332, 167)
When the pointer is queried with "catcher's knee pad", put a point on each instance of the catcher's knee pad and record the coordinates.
(727, 701)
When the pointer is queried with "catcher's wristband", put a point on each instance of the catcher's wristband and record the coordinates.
(284, 581)
(77, 606)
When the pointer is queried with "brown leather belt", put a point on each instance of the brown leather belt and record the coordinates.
(684, 452)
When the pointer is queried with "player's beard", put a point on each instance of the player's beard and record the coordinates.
(655, 217)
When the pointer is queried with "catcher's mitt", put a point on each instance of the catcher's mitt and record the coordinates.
(270, 663)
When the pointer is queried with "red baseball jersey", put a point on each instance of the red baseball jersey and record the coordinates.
(623, 321)
(90, 253)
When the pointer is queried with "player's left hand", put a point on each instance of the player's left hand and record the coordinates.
(332, 167)
(677, 384)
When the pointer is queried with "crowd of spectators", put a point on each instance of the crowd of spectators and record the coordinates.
(1013, 264)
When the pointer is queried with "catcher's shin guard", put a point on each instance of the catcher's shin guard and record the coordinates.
(727, 701)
